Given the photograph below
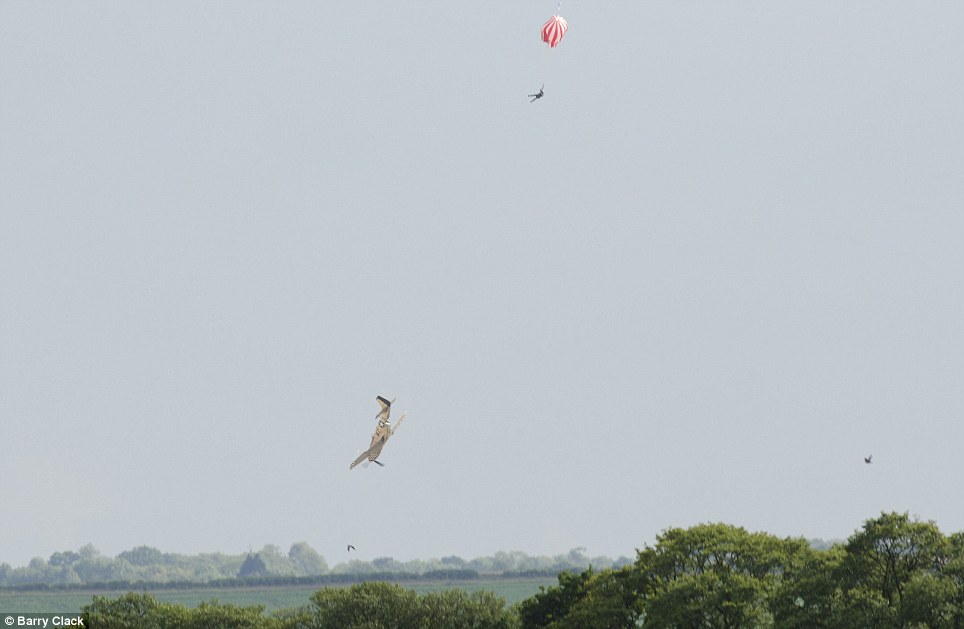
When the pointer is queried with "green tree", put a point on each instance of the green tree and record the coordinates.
(713, 575)
(385, 564)
(130, 611)
(954, 571)
(553, 604)
(306, 561)
(142, 556)
(142, 611)
(453, 561)
(213, 615)
(369, 605)
(882, 560)
(274, 560)
(253, 566)
(888, 551)
(65, 558)
(457, 608)
(861, 608)
(928, 601)
(710, 600)
(610, 601)
(100, 569)
(607, 599)
(808, 593)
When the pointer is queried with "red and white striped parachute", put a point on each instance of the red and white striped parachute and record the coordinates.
(553, 30)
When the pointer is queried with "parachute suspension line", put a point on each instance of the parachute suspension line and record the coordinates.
(552, 33)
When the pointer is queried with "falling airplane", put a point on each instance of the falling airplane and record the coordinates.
(383, 431)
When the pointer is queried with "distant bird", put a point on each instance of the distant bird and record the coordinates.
(383, 431)
(867, 459)
(350, 548)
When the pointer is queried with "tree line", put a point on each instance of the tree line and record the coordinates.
(148, 567)
(893, 573)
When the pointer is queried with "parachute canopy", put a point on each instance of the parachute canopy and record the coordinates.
(553, 30)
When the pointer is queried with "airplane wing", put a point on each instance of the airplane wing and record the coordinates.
(361, 457)
(398, 423)
(372, 452)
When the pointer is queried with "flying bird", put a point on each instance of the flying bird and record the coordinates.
(383, 431)
(867, 459)
(350, 548)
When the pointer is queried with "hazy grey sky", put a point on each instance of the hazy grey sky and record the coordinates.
(717, 265)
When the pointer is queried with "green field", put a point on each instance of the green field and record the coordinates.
(278, 597)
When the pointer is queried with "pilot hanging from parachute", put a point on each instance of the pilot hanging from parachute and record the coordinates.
(552, 33)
